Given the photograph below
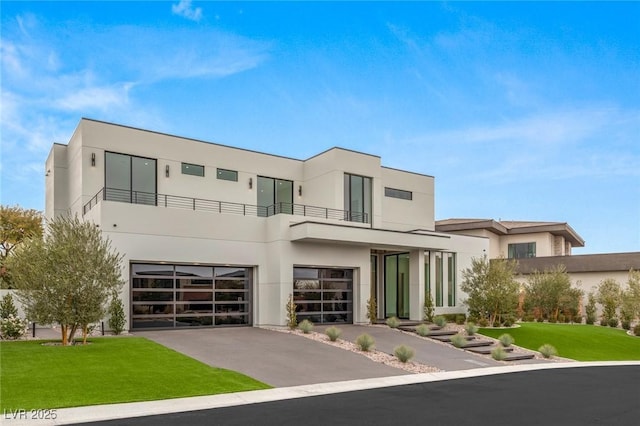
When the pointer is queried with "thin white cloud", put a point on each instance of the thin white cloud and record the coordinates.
(186, 10)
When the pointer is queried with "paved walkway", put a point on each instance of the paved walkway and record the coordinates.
(435, 354)
(278, 359)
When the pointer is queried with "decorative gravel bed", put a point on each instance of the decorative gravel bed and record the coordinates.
(377, 356)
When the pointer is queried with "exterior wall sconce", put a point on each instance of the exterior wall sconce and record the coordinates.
(93, 159)
(300, 190)
(250, 183)
(166, 170)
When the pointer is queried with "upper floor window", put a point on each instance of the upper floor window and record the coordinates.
(398, 193)
(522, 250)
(274, 196)
(192, 169)
(129, 179)
(357, 198)
(224, 174)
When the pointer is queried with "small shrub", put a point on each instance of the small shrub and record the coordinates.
(117, 319)
(508, 322)
(13, 327)
(529, 318)
(404, 353)
(577, 319)
(7, 307)
(428, 308)
(372, 310)
(604, 322)
(561, 318)
(483, 322)
(333, 333)
(506, 340)
(393, 322)
(458, 340)
(364, 342)
(471, 328)
(292, 316)
(423, 330)
(567, 319)
(552, 320)
(496, 324)
(636, 330)
(540, 319)
(306, 326)
(440, 321)
(547, 350)
(460, 319)
(498, 353)
(626, 325)
(590, 320)
(613, 322)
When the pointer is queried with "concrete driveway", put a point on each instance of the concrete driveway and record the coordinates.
(275, 358)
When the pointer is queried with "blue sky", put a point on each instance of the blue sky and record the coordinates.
(522, 111)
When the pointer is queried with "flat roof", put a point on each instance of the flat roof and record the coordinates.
(602, 262)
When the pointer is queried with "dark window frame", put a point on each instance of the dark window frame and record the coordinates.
(196, 167)
(400, 194)
(221, 177)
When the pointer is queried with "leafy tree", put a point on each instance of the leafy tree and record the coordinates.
(609, 295)
(68, 277)
(16, 225)
(590, 309)
(548, 293)
(631, 296)
(491, 288)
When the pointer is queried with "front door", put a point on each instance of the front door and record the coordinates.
(396, 285)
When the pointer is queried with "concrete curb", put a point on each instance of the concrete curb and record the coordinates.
(139, 409)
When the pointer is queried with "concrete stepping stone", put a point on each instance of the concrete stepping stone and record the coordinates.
(486, 350)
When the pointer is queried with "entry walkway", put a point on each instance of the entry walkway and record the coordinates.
(436, 354)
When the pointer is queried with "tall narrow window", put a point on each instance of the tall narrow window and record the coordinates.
(439, 279)
(357, 198)
(451, 279)
(274, 196)
(427, 275)
(130, 179)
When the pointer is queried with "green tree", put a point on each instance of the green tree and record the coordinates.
(631, 296)
(609, 295)
(428, 309)
(16, 225)
(590, 309)
(550, 292)
(117, 319)
(68, 277)
(491, 288)
(7, 307)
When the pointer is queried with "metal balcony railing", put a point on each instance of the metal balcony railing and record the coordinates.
(175, 201)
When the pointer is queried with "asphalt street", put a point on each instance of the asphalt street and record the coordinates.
(569, 396)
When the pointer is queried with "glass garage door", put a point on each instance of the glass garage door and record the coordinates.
(173, 296)
(323, 295)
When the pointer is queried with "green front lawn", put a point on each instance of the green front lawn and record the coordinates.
(107, 371)
(579, 342)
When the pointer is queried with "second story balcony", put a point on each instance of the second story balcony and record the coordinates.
(222, 207)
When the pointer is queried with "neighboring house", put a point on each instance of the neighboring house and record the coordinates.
(544, 245)
(516, 239)
(214, 235)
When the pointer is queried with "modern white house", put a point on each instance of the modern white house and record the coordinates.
(214, 235)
